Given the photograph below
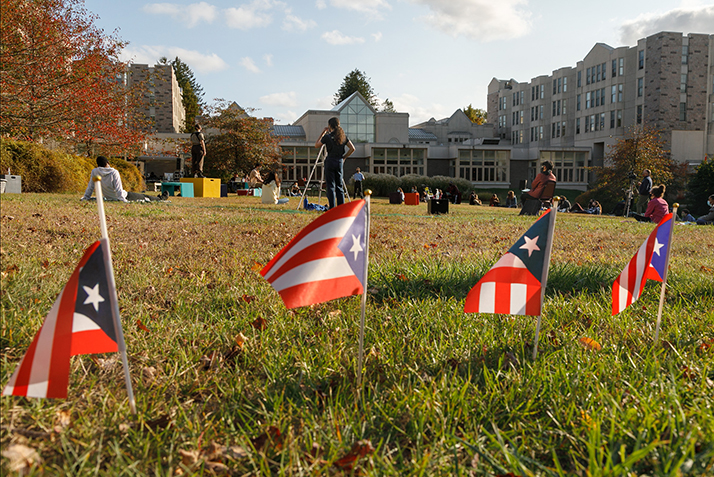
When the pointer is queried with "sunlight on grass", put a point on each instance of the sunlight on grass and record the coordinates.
(225, 376)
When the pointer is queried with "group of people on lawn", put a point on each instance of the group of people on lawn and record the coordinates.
(650, 207)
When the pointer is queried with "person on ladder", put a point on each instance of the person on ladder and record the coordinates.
(335, 140)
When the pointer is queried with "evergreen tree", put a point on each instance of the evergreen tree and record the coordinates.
(356, 81)
(388, 106)
(700, 187)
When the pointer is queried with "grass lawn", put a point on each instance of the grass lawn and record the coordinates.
(229, 382)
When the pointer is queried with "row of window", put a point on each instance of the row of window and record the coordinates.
(482, 166)
(568, 166)
(558, 83)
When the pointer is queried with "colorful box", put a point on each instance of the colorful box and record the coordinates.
(204, 186)
(411, 198)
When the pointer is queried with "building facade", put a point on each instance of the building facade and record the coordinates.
(573, 115)
(162, 101)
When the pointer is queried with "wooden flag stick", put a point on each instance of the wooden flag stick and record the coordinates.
(546, 266)
(666, 269)
(367, 196)
(113, 292)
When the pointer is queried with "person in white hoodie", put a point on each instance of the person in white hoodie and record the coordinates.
(112, 188)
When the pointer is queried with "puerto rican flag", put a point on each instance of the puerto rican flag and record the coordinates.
(514, 285)
(326, 260)
(80, 322)
(650, 262)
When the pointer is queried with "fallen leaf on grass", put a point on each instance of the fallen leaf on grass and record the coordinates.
(706, 345)
(706, 269)
(240, 340)
(188, 458)
(256, 267)
(21, 458)
(271, 436)
(260, 323)
(689, 373)
(160, 422)
(64, 419)
(334, 313)
(359, 449)
(11, 270)
(141, 326)
(209, 361)
(248, 298)
(401, 276)
(590, 344)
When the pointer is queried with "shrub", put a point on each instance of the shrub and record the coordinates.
(46, 170)
(383, 184)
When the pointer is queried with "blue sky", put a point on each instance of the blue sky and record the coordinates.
(429, 57)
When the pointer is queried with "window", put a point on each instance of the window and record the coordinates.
(587, 76)
(614, 68)
(619, 92)
(565, 84)
(580, 82)
(593, 122)
(568, 166)
(560, 83)
(621, 63)
(682, 111)
(297, 160)
(604, 71)
(532, 93)
(562, 128)
(565, 105)
(540, 132)
(602, 121)
(523, 96)
(577, 126)
(541, 112)
(640, 86)
(552, 131)
(619, 118)
(515, 95)
(521, 118)
(553, 113)
(555, 85)
(683, 83)
(639, 114)
(592, 74)
(588, 100)
(685, 54)
(597, 97)
(577, 103)
(599, 74)
(399, 161)
(613, 94)
(641, 59)
(612, 119)
(484, 165)
(587, 123)
(357, 119)
(558, 110)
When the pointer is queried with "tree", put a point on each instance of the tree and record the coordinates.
(240, 142)
(60, 77)
(388, 106)
(356, 81)
(192, 92)
(641, 148)
(700, 187)
(476, 115)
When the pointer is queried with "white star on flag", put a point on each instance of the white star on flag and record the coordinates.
(93, 296)
(356, 247)
(530, 245)
(657, 246)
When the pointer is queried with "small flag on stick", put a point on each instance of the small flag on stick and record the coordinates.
(325, 261)
(650, 261)
(515, 283)
(80, 322)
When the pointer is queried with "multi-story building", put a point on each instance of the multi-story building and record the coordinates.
(573, 115)
(163, 104)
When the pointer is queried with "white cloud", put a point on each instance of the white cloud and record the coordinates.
(334, 37)
(371, 8)
(251, 15)
(687, 20)
(324, 103)
(377, 36)
(418, 111)
(285, 100)
(198, 62)
(294, 23)
(248, 63)
(287, 117)
(191, 15)
(268, 59)
(483, 20)
(320, 4)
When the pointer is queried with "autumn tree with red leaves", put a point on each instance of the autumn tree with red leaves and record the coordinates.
(61, 79)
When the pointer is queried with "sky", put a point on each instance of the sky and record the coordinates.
(428, 57)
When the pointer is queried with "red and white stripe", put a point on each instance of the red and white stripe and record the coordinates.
(628, 286)
(507, 288)
(311, 269)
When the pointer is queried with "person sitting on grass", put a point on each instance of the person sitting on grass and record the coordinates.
(709, 218)
(271, 190)
(473, 198)
(656, 208)
(593, 208)
(495, 201)
(112, 188)
(511, 201)
(564, 205)
(686, 216)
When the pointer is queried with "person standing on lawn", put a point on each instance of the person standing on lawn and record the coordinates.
(335, 140)
(644, 191)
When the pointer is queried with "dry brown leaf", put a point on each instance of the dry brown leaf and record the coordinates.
(21, 458)
(359, 449)
(334, 313)
(63, 420)
(590, 344)
(149, 375)
(217, 467)
(271, 436)
(188, 458)
(240, 340)
(141, 326)
(256, 267)
(248, 298)
(260, 323)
